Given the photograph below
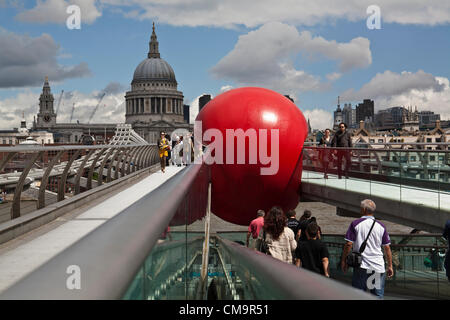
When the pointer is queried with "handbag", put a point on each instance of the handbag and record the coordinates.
(354, 259)
(263, 246)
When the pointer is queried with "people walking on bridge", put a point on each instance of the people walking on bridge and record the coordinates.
(169, 154)
(313, 253)
(325, 155)
(319, 232)
(279, 238)
(254, 229)
(342, 139)
(367, 236)
(163, 145)
(177, 149)
(292, 221)
(446, 235)
(303, 223)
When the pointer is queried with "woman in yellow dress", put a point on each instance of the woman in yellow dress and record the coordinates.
(163, 145)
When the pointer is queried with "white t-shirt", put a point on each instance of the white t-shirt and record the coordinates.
(372, 257)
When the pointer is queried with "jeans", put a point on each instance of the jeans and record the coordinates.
(360, 281)
(447, 264)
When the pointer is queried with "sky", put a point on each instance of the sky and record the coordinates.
(313, 51)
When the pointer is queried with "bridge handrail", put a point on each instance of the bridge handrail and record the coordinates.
(288, 281)
(109, 257)
(68, 147)
(374, 150)
(391, 143)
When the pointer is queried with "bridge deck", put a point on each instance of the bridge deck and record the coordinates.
(18, 261)
(439, 200)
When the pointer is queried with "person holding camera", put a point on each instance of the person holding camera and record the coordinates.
(367, 236)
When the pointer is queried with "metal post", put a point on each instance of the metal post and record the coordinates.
(92, 168)
(15, 208)
(81, 169)
(5, 160)
(62, 182)
(205, 251)
(108, 176)
(44, 180)
(100, 171)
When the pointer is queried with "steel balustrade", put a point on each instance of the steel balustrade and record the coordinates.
(94, 159)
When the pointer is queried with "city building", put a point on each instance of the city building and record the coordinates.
(66, 133)
(428, 117)
(365, 111)
(338, 119)
(203, 100)
(22, 135)
(154, 103)
(410, 121)
(289, 97)
(349, 115)
(186, 112)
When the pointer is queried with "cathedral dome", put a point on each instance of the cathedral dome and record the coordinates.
(154, 69)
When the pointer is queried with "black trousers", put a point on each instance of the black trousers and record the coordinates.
(163, 162)
(340, 155)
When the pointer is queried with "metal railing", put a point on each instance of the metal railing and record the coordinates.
(262, 277)
(113, 255)
(71, 168)
(418, 261)
(413, 167)
(110, 257)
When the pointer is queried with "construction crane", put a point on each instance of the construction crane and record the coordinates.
(96, 107)
(71, 114)
(59, 101)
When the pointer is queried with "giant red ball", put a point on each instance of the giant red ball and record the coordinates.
(239, 190)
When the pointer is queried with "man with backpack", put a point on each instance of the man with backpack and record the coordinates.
(367, 236)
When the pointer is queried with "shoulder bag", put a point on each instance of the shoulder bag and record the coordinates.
(354, 259)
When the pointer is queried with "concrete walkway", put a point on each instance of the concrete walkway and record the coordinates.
(17, 262)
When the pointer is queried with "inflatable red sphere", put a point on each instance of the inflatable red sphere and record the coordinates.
(273, 130)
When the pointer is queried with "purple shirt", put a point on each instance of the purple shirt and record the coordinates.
(372, 257)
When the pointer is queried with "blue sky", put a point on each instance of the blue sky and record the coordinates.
(209, 45)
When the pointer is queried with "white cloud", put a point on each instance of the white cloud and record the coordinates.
(319, 118)
(225, 88)
(265, 57)
(424, 99)
(334, 76)
(248, 13)
(25, 61)
(421, 89)
(110, 110)
(251, 13)
(54, 11)
(390, 83)
(194, 109)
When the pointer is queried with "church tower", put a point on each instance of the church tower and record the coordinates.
(46, 117)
